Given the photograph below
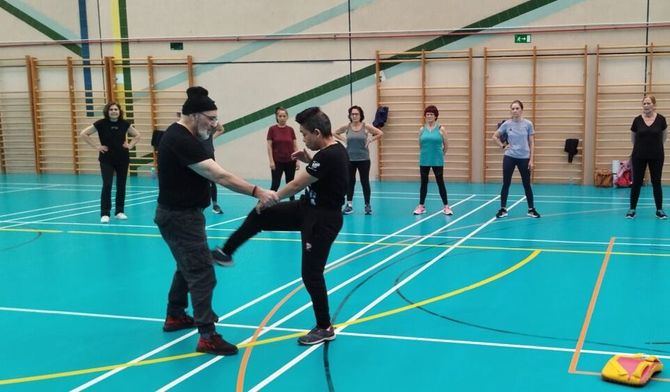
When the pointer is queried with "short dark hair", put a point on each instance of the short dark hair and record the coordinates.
(360, 110)
(313, 118)
(431, 109)
(517, 101)
(105, 110)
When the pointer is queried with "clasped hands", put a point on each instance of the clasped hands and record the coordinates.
(266, 198)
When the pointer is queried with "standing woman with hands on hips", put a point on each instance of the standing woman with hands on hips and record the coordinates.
(358, 136)
(114, 156)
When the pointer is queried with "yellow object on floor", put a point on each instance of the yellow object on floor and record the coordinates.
(631, 369)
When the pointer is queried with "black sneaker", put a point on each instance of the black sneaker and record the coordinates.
(348, 209)
(501, 213)
(216, 209)
(317, 335)
(660, 214)
(532, 212)
(368, 209)
(631, 214)
(215, 345)
(221, 258)
(177, 323)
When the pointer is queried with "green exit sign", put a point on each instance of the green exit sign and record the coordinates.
(521, 38)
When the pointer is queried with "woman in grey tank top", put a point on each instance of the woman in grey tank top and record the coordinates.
(358, 136)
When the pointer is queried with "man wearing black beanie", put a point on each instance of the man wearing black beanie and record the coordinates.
(184, 172)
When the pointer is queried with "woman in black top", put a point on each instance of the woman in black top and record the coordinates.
(317, 215)
(649, 131)
(113, 155)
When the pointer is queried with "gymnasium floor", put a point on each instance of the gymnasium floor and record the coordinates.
(423, 302)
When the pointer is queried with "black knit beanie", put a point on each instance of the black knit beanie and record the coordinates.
(197, 101)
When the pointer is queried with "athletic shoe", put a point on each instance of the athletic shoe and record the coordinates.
(121, 216)
(368, 209)
(447, 210)
(215, 345)
(419, 210)
(317, 335)
(221, 258)
(660, 214)
(104, 219)
(501, 213)
(216, 209)
(348, 209)
(631, 214)
(532, 212)
(177, 323)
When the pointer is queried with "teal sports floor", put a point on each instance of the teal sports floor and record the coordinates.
(422, 302)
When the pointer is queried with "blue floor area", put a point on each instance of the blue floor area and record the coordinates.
(463, 302)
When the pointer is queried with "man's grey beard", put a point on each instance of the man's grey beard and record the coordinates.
(203, 134)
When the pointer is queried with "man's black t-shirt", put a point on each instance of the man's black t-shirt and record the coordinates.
(179, 187)
(331, 166)
(112, 134)
(648, 139)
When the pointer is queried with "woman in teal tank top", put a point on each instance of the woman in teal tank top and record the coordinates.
(432, 148)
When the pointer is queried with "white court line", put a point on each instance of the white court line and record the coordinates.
(99, 185)
(331, 291)
(352, 334)
(224, 222)
(351, 234)
(22, 223)
(379, 299)
(25, 189)
(412, 195)
(247, 305)
(88, 205)
(80, 203)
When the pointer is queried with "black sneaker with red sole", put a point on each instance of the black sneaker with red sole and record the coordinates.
(177, 323)
(216, 345)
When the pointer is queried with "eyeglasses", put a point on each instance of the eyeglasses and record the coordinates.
(211, 118)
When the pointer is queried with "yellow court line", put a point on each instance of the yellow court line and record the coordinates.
(340, 242)
(283, 337)
(32, 230)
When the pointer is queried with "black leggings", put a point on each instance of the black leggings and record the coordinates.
(438, 171)
(318, 229)
(288, 169)
(107, 169)
(508, 169)
(655, 171)
(363, 168)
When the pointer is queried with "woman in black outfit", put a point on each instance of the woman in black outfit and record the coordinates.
(648, 133)
(113, 155)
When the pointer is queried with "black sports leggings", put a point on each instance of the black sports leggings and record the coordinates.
(655, 171)
(363, 168)
(318, 229)
(508, 169)
(438, 171)
(286, 168)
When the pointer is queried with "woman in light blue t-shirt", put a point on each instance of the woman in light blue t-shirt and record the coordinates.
(518, 153)
(432, 148)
